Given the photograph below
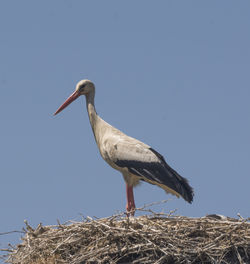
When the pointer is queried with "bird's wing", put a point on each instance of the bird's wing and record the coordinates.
(147, 164)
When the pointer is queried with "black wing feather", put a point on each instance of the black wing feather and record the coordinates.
(161, 173)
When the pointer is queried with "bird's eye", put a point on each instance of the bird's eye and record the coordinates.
(82, 87)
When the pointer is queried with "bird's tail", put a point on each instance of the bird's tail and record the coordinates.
(171, 181)
(180, 184)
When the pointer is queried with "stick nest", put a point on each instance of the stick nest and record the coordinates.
(154, 238)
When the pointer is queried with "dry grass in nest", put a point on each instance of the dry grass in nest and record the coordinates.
(154, 238)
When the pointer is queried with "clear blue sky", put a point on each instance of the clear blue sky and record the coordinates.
(174, 74)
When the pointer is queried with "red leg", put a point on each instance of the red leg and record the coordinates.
(130, 200)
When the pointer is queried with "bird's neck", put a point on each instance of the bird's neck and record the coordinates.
(93, 116)
(90, 101)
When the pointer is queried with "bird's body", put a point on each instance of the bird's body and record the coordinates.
(134, 159)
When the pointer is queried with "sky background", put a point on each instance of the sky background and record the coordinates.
(174, 74)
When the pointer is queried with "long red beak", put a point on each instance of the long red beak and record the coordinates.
(72, 98)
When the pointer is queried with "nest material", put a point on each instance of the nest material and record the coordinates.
(155, 238)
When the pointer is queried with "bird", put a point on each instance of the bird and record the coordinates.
(136, 160)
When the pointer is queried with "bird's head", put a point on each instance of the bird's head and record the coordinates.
(83, 87)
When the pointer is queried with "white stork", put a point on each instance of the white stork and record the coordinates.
(134, 159)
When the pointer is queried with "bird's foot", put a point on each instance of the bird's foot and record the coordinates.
(130, 207)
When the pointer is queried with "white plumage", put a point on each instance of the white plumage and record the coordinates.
(134, 159)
